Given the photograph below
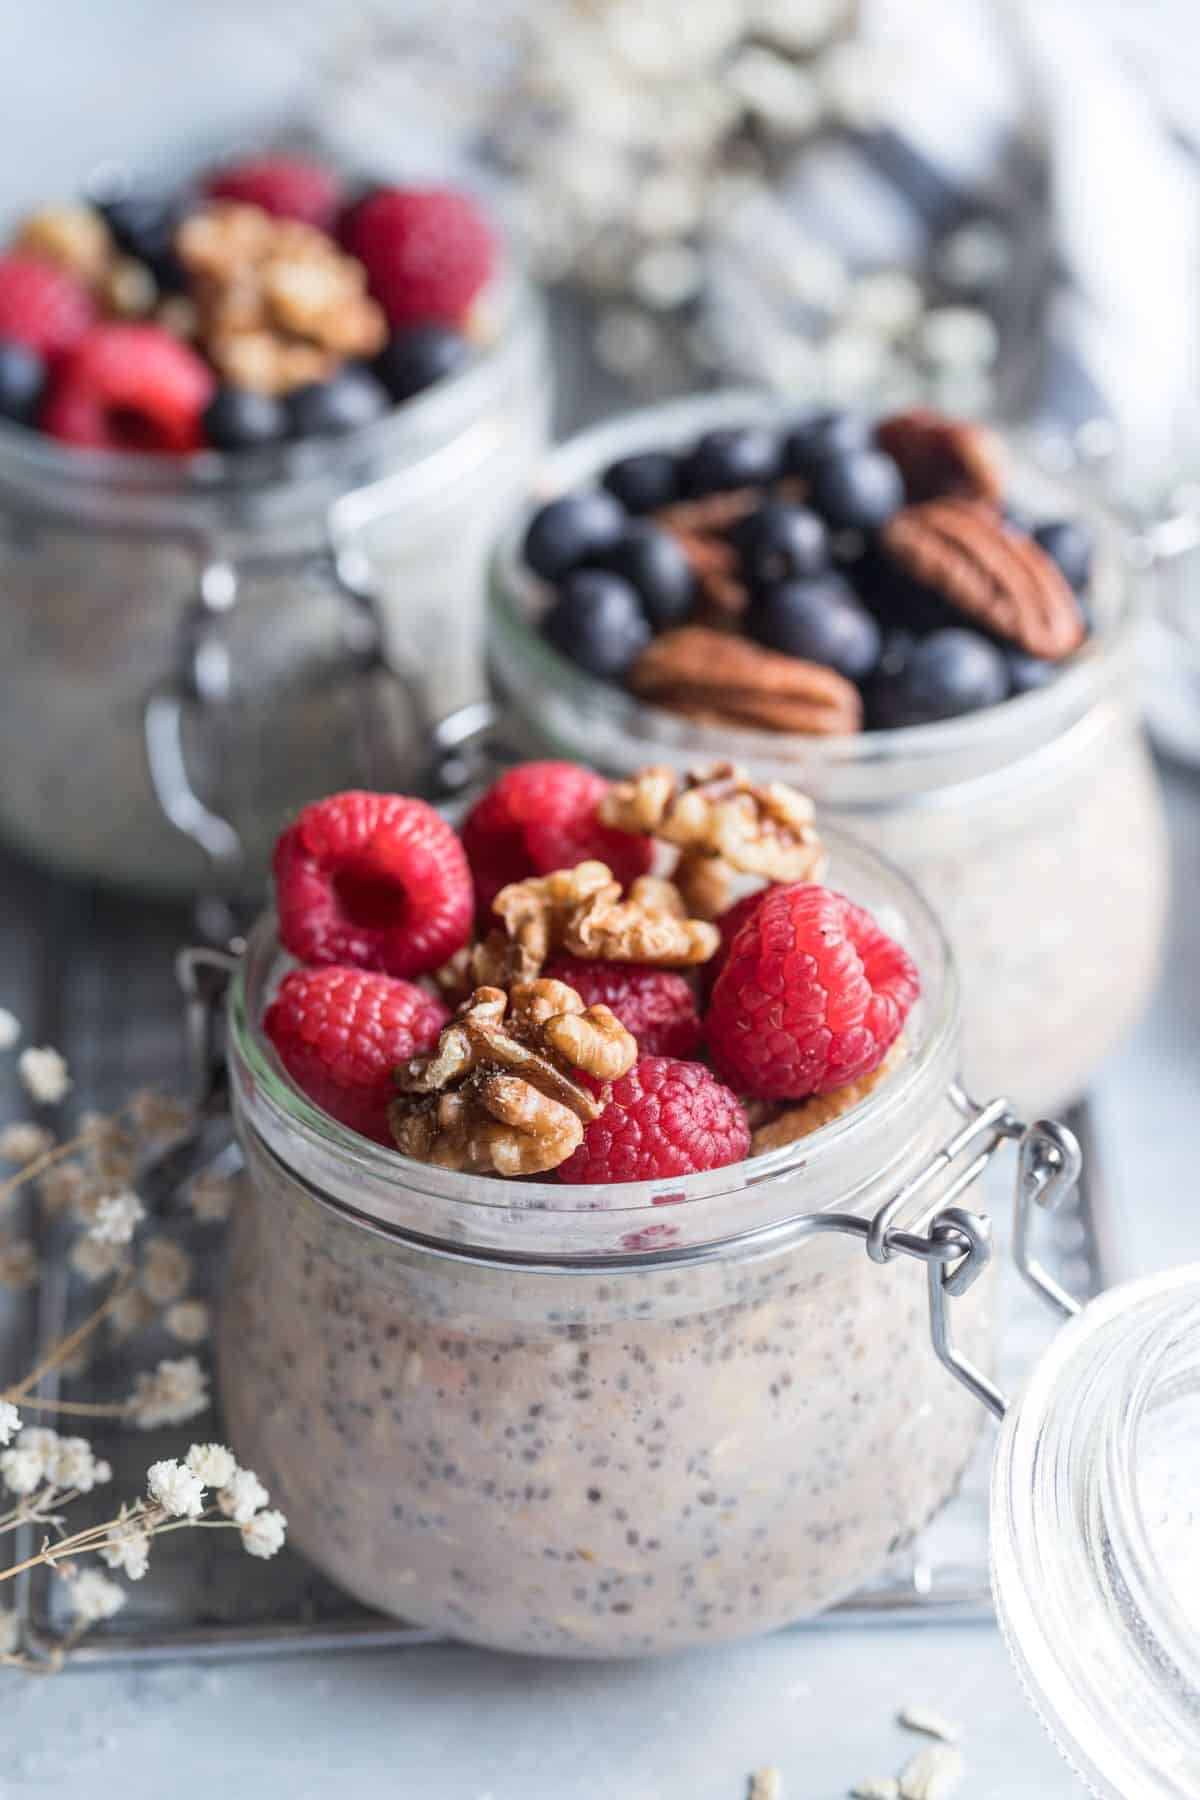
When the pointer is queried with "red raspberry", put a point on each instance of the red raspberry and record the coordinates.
(427, 252)
(41, 306)
(542, 816)
(812, 995)
(656, 1005)
(289, 187)
(729, 923)
(375, 880)
(129, 387)
(664, 1118)
(340, 1033)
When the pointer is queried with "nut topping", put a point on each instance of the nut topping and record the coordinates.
(709, 676)
(581, 910)
(801, 1121)
(759, 829)
(998, 578)
(940, 457)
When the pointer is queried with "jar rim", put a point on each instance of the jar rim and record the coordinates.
(372, 1175)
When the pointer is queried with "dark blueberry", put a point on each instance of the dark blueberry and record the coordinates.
(950, 672)
(1026, 673)
(826, 434)
(348, 400)
(859, 492)
(780, 541)
(144, 226)
(1068, 544)
(572, 530)
(644, 482)
(239, 419)
(818, 619)
(597, 621)
(414, 359)
(1018, 520)
(651, 561)
(22, 375)
(735, 456)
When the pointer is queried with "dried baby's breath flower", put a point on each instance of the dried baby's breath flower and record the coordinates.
(166, 1270)
(104, 1472)
(108, 1149)
(242, 1496)
(176, 1488)
(264, 1534)
(61, 1186)
(131, 1312)
(214, 1464)
(159, 1116)
(92, 1596)
(10, 1421)
(187, 1320)
(117, 1217)
(21, 1470)
(129, 1550)
(10, 1029)
(42, 1441)
(933, 1773)
(93, 1259)
(44, 1075)
(211, 1197)
(73, 1465)
(931, 1723)
(176, 1391)
(10, 1633)
(18, 1265)
(24, 1142)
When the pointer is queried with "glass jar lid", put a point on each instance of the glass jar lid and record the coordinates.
(1095, 1523)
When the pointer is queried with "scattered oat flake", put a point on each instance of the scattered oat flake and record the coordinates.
(933, 1774)
(44, 1075)
(24, 1142)
(925, 1719)
(10, 1029)
(766, 1784)
(876, 1787)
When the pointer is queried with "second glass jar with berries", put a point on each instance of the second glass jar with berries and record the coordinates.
(242, 568)
(1001, 762)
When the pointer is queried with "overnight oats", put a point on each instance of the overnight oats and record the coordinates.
(530, 1326)
(254, 436)
(910, 621)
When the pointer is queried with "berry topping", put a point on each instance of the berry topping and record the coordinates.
(418, 356)
(644, 482)
(779, 542)
(22, 377)
(1026, 673)
(376, 880)
(241, 419)
(653, 563)
(144, 226)
(570, 531)
(939, 677)
(664, 1118)
(427, 252)
(820, 619)
(827, 434)
(812, 996)
(289, 187)
(41, 306)
(540, 817)
(1068, 544)
(597, 620)
(656, 1005)
(347, 401)
(129, 387)
(340, 1033)
(729, 923)
(734, 456)
(860, 491)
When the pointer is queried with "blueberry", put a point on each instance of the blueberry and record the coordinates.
(1069, 544)
(950, 672)
(597, 621)
(239, 419)
(572, 530)
(860, 491)
(22, 376)
(735, 456)
(780, 541)
(348, 400)
(144, 226)
(414, 359)
(1026, 673)
(644, 482)
(651, 561)
(818, 619)
(826, 434)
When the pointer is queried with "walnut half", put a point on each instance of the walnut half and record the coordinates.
(757, 828)
(581, 910)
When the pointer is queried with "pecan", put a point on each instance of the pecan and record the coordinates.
(1000, 579)
(501, 1093)
(763, 829)
(708, 675)
(801, 1121)
(939, 456)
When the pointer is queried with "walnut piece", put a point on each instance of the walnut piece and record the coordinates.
(581, 910)
(500, 1094)
(764, 829)
(801, 1121)
(73, 236)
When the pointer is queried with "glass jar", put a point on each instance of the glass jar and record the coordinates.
(598, 1421)
(1034, 828)
(190, 650)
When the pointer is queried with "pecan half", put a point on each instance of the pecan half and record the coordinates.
(939, 456)
(801, 1121)
(759, 828)
(705, 674)
(998, 578)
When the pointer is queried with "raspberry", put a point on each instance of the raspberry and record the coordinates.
(129, 387)
(664, 1118)
(427, 252)
(41, 306)
(340, 1033)
(542, 816)
(375, 880)
(729, 924)
(656, 1005)
(812, 996)
(288, 187)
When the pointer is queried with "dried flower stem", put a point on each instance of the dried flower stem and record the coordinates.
(64, 1350)
(154, 1521)
(94, 1409)
(58, 1153)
